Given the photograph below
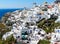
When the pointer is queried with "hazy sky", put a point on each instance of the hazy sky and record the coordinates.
(20, 3)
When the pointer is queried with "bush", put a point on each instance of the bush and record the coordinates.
(43, 42)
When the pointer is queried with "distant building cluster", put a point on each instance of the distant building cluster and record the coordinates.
(24, 27)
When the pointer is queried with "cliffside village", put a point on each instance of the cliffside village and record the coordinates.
(25, 29)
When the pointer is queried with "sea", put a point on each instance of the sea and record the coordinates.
(4, 11)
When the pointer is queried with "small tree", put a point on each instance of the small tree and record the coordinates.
(10, 40)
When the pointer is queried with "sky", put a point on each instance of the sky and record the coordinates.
(21, 3)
